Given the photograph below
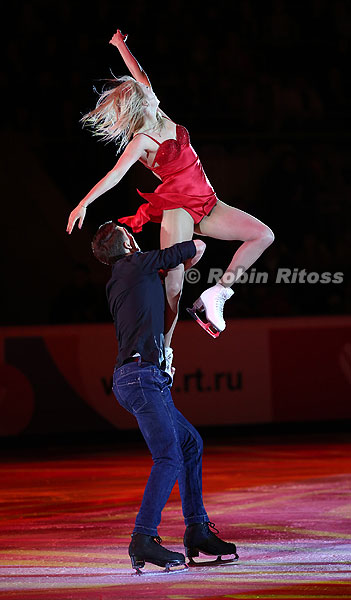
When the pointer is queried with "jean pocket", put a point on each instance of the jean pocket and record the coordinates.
(130, 395)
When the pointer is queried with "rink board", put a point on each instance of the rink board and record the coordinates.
(59, 378)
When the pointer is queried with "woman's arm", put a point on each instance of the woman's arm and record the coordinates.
(131, 154)
(119, 40)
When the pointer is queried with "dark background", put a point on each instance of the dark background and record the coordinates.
(262, 86)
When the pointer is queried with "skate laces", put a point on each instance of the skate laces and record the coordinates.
(221, 297)
(220, 300)
(212, 525)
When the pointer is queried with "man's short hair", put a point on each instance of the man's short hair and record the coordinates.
(108, 242)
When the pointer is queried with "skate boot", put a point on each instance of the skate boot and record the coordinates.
(147, 548)
(199, 538)
(212, 301)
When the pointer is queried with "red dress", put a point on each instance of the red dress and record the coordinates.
(184, 183)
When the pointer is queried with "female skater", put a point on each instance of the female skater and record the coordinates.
(129, 114)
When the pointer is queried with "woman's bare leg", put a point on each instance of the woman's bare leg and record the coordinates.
(177, 226)
(229, 223)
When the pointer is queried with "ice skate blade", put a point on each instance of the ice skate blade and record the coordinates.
(137, 564)
(168, 569)
(208, 327)
(213, 563)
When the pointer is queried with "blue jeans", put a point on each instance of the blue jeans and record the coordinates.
(175, 445)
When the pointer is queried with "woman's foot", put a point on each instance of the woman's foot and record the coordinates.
(212, 302)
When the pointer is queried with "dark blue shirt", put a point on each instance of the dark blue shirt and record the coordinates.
(136, 299)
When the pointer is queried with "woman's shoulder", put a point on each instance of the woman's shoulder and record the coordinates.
(140, 140)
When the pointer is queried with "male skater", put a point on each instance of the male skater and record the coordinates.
(142, 386)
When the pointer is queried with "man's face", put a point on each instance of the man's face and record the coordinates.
(130, 243)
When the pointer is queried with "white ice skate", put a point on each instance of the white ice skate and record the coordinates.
(211, 301)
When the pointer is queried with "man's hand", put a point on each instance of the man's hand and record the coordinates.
(78, 213)
(118, 38)
(200, 249)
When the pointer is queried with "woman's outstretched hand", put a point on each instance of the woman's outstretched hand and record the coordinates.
(78, 213)
(118, 38)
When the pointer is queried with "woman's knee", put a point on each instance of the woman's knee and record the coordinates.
(265, 236)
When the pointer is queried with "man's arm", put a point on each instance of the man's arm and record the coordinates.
(200, 249)
(169, 258)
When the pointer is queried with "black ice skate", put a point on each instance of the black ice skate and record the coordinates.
(211, 302)
(147, 548)
(198, 538)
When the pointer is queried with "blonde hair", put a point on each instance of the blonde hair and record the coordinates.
(119, 112)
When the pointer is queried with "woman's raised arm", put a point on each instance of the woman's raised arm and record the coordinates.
(130, 155)
(119, 40)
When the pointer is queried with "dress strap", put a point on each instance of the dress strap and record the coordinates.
(149, 136)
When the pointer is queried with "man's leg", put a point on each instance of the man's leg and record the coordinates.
(198, 536)
(144, 391)
(190, 476)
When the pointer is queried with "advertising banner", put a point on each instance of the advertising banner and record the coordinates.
(59, 378)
